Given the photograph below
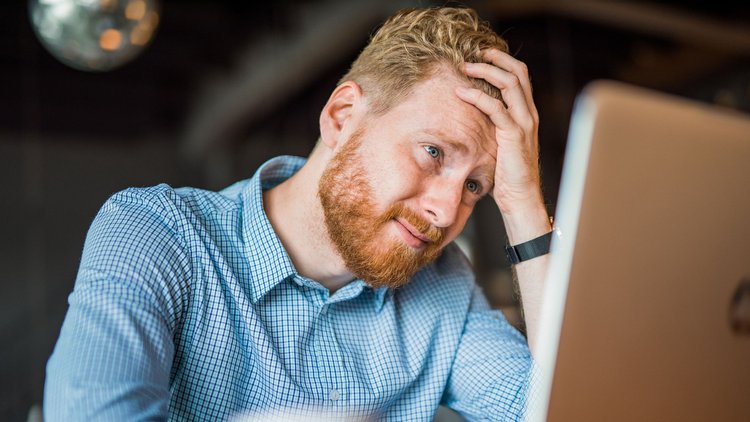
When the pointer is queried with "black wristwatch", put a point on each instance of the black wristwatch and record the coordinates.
(528, 250)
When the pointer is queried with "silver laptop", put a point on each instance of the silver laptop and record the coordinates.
(647, 312)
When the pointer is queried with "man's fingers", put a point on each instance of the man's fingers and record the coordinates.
(492, 107)
(510, 87)
(508, 63)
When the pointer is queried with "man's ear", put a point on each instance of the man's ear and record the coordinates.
(339, 113)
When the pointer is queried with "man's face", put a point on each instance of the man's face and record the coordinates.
(404, 184)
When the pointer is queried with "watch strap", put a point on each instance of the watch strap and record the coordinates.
(527, 250)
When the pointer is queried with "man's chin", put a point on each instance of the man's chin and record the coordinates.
(396, 271)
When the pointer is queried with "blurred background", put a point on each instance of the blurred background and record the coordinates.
(208, 90)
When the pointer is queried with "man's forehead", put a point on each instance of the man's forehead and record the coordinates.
(447, 112)
(433, 108)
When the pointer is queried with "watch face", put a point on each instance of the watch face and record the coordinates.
(739, 309)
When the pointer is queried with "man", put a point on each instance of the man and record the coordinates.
(330, 283)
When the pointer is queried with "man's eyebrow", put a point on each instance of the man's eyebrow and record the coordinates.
(458, 146)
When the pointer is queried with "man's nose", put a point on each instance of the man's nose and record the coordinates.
(441, 203)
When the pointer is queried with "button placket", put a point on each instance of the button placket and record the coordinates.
(339, 377)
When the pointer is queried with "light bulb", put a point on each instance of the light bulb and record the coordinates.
(94, 35)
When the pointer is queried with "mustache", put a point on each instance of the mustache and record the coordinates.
(434, 234)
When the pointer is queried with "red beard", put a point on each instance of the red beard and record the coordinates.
(357, 231)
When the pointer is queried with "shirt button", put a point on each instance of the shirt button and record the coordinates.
(324, 310)
(335, 395)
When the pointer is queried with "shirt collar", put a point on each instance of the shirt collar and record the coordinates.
(381, 294)
(269, 262)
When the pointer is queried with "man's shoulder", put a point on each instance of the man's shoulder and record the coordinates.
(174, 204)
(155, 196)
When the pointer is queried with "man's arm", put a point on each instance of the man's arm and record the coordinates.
(492, 367)
(517, 189)
(530, 274)
(114, 355)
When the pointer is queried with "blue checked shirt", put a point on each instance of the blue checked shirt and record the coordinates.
(187, 307)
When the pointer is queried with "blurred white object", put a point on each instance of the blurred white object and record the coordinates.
(298, 415)
(94, 35)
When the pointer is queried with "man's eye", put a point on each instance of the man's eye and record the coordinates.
(433, 151)
(472, 186)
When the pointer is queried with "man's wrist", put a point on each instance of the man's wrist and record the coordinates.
(529, 250)
(524, 224)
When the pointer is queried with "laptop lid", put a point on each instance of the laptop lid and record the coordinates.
(647, 306)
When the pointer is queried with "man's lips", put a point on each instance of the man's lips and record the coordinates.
(411, 235)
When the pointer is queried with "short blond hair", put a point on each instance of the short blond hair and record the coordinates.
(412, 44)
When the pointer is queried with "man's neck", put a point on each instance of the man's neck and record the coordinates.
(294, 210)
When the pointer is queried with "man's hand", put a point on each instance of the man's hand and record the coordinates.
(517, 181)
(517, 190)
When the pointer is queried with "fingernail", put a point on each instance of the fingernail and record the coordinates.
(462, 90)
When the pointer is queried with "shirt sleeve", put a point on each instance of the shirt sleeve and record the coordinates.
(113, 358)
(491, 372)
